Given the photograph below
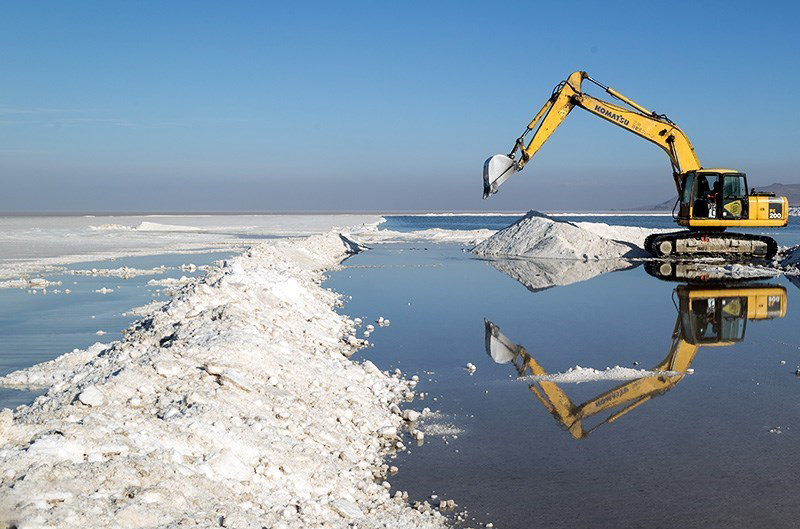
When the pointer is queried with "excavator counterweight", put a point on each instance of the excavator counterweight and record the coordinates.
(709, 200)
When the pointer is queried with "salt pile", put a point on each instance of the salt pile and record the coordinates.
(232, 405)
(539, 236)
(578, 374)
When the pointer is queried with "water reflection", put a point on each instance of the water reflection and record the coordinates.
(708, 315)
(540, 274)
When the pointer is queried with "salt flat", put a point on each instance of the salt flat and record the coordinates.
(34, 244)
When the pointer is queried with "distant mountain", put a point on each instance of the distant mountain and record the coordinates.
(661, 206)
(790, 191)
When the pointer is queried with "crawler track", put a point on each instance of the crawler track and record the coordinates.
(711, 244)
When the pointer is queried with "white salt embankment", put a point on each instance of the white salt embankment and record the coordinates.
(232, 405)
(538, 236)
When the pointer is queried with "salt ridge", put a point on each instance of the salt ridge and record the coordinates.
(234, 404)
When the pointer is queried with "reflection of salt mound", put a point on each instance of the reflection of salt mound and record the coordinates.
(537, 235)
(155, 226)
(545, 273)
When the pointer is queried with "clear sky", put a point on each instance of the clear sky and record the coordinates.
(269, 106)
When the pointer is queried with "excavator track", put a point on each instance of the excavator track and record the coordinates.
(696, 272)
(711, 244)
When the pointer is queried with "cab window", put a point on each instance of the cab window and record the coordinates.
(686, 196)
(734, 186)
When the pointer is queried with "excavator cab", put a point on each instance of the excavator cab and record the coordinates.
(707, 316)
(717, 315)
(713, 194)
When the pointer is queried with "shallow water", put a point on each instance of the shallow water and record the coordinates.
(701, 450)
(36, 326)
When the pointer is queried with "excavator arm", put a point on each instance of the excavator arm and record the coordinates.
(625, 397)
(656, 128)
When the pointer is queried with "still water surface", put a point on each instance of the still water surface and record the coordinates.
(716, 448)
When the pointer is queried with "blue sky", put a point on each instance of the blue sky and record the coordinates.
(270, 106)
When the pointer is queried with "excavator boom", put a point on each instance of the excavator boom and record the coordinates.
(653, 127)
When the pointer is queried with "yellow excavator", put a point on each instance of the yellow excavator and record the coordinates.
(707, 317)
(709, 199)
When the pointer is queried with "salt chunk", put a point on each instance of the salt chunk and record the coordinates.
(371, 368)
(346, 508)
(91, 396)
(226, 465)
(411, 415)
(168, 368)
(388, 431)
(136, 515)
(56, 447)
(214, 369)
(231, 378)
(195, 398)
(6, 421)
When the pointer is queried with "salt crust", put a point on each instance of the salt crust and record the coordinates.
(234, 404)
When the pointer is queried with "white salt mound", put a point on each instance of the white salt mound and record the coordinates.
(539, 236)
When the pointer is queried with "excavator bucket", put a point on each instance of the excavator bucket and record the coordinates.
(500, 348)
(496, 170)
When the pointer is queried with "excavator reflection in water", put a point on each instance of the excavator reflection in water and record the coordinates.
(708, 316)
